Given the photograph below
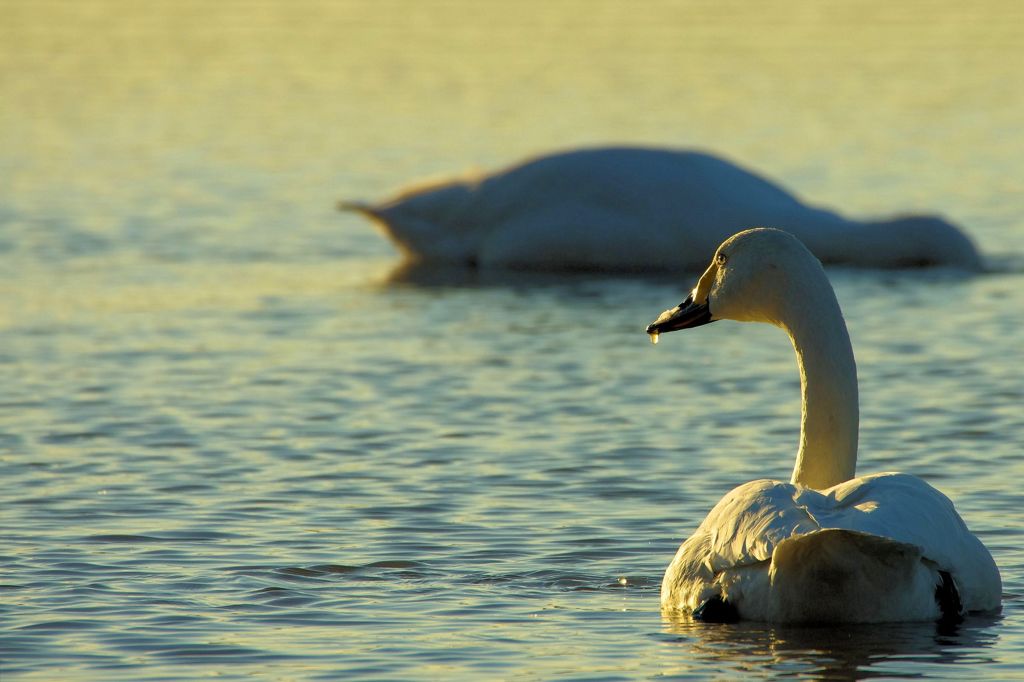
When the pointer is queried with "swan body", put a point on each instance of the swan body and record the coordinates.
(636, 209)
(826, 546)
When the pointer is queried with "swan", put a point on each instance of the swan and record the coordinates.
(825, 547)
(636, 209)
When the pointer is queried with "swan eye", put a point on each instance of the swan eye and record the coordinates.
(720, 258)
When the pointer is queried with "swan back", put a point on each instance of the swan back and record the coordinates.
(763, 542)
(634, 208)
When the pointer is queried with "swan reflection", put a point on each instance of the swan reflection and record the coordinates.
(850, 652)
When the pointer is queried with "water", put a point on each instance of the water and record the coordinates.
(233, 444)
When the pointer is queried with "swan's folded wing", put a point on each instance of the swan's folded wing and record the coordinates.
(747, 524)
(906, 509)
(742, 530)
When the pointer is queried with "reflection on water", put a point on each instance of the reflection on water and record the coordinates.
(433, 275)
(853, 652)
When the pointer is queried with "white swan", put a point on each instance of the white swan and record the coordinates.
(636, 209)
(826, 547)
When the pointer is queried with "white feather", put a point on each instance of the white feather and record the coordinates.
(748, 525)
(825, 546)
(636, 209)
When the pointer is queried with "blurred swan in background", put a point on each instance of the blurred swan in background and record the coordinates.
(826, 547)
(637, 209)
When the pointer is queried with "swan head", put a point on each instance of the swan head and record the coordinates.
(924, 240)
(766, 275)
(754, 276)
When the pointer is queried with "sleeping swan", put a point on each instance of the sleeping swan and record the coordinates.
(636, 209)
(826, 547)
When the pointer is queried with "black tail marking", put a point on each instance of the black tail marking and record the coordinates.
(717, 610)
(948, 598)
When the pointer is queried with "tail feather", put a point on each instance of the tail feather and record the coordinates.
(717, 610)
(356, 206)
(847, 576)
(947, 596)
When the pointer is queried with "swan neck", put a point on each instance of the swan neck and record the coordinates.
(828, 389)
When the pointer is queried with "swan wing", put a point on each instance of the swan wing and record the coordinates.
(750, 521)
(906, 509)
(745, 527)
(741, 531)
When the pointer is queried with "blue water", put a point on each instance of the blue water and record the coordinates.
(234, 443)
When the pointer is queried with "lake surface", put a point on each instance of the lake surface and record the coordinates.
(233, 444)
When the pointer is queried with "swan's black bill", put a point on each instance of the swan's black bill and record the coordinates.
(686, 315)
